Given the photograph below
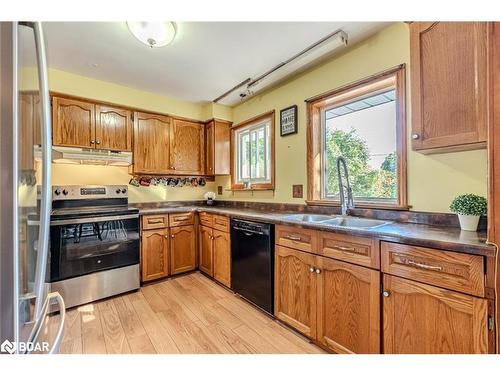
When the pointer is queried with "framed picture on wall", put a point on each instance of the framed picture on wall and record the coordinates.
(288, 121)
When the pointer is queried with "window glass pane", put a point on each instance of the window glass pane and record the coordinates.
(244, 156)
(364, 132)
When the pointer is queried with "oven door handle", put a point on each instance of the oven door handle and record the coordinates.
(85, 220)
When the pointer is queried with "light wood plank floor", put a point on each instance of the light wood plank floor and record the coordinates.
(186, 314)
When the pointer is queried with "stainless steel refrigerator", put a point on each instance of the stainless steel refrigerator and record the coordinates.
(25, 126)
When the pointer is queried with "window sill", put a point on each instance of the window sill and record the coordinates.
(252, 189)
(366, 205)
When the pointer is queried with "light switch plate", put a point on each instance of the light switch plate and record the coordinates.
(297, 191)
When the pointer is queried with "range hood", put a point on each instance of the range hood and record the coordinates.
(73, 155)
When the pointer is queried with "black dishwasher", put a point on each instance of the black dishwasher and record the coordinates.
(252, 262)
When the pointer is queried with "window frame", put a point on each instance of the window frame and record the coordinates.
(315, 136)
(249, 124)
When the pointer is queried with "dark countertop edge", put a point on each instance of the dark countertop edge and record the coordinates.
(467, 248)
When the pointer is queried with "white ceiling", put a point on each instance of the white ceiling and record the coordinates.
(205, 60)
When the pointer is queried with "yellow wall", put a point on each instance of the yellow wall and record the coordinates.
(433, 181)
(67, 174)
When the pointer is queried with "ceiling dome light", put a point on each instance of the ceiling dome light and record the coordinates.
(153, 34)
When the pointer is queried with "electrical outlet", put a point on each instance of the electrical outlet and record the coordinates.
(297, 191)
(219, 190)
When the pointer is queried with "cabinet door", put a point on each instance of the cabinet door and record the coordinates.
(187, 145)
(151, 143)
(154, 254)
(422, 319)
(222, 257)
(206, 250)
(209, 154)
(295, 289)
(449, 84)
(222, 136)
(73, 123)
(182, 249)
(113, 128)
(348, 307)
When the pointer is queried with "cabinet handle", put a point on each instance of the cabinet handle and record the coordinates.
(98, 142)
(155, 221)
(172, 167)
(311, 269)
(293, 238)
(172, 235)
(415, 136)
(166, 236)
(386, 293)
(318, 271)
(92, 142)
(344, 248)
(424, 266)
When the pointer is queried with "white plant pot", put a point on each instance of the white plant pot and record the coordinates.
(468, 222)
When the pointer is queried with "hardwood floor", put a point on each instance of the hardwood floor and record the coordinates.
(187, 314)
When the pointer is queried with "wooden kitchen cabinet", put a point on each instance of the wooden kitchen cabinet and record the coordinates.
(449, 85)
(73, 123)
(295, 289)
(206, 250)
(151, 143)
(29, 129)
(187, 145)
(217, 155)
(113, 128)
(222, 257)
(348, 307)
(154, 254)
(423, 319)
(182, 249)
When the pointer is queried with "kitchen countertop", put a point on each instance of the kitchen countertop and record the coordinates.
(440, 237)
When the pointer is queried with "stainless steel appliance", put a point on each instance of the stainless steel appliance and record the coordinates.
(94, 243)
(24, 94)
(252, 262)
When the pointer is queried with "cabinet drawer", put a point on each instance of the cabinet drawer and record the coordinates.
(154, 221)
(457, 271)
(297, 238)
(221, 223)
(206, 219)
(357, 250)
(185, 218)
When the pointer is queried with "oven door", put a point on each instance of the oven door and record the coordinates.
(86, 245)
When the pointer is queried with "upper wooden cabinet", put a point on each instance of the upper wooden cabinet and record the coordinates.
(217, 156)
(187, 145)
(73, 123)
(151, 143)
(113, 128)
(79, 123)
(422, 319)
(449, 85)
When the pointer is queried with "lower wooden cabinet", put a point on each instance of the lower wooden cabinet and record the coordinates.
(182, 249)
(222, 257)
(348, 307)
(154, 254)
(295, 289)
(423, 319)
(206, 251)
(215, 254)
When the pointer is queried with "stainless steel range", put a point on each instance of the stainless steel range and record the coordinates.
(94, 243)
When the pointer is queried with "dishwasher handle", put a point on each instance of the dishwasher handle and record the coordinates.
(249, 232)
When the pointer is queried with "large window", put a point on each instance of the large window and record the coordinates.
(365, 123)
(252, 153)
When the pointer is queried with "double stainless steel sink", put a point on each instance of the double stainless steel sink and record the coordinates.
(338, 221)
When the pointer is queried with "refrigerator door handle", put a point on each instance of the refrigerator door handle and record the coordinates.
(40, 323)
(45, 201)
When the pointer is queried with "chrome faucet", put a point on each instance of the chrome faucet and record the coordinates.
(345, 204)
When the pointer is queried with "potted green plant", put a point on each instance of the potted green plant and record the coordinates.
(210, 196)
(469, 208)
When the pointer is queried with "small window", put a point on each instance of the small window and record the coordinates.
(364, 123)
(252, 152)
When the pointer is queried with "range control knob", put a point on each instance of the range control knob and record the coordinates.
(124, 191)
(65, 192)
(118, 191)
(57, 192)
